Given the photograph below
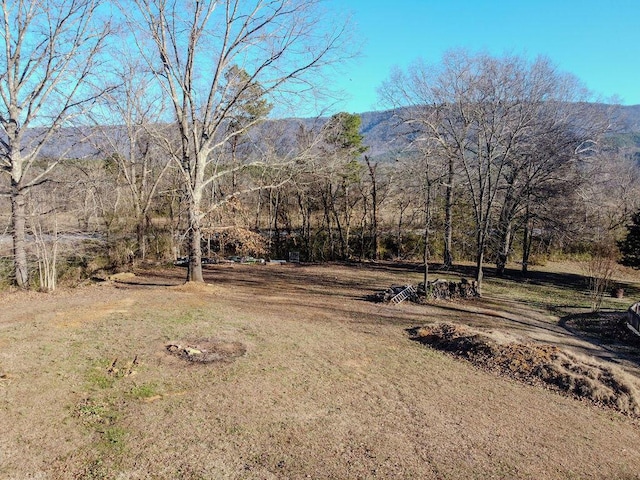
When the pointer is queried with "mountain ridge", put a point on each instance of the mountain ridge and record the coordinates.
(378, 127)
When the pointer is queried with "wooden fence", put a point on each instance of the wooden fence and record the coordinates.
(633, 318)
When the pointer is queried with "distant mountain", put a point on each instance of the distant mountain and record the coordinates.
(379, 129)
(629, 119)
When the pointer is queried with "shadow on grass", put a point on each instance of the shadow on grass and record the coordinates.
(534, 277)
(506, 317)
(605, 329)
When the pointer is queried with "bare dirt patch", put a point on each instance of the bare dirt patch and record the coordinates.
(537, 363)
(207, 350)
(198, 287)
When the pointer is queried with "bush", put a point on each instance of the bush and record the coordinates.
(599, 269)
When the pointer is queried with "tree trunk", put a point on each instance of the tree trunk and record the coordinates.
(305, 213)
(194, 271)
(276, 228)
(448, 218)
(526, 244)
(19, 221)
(258, 208)
(399, 234)
(374, 205)
(326, 195)
(425, 277)
(336, 217)
(505, 229)
(343, 229)
(427, 226)
(140, 237)
(481, 239)
(504, 247)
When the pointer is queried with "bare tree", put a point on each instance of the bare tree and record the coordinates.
(375, 205)
(194, 48)
(502, 122)
(426, 99)
(129, 125)
(49, 55)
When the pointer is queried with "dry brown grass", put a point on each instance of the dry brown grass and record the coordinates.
(330, 386)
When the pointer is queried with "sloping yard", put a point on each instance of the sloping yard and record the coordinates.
(316, 382)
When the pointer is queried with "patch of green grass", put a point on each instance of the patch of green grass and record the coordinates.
(564, 295)
(97, 378)
(92, 412)
(100, 412)
(96, 469)
(114, 437)
(184, 323)
(97, 415)
(234, 429)
(102, 418)
(146, 390)
(187, 317)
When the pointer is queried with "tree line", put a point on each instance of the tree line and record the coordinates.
(493, 158)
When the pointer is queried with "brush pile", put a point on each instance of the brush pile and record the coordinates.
(448, 290)
(387, 295)
(436, 290)
(537, 364)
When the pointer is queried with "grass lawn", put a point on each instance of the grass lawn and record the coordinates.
(329, 385)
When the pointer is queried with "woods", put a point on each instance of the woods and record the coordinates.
(158, 141)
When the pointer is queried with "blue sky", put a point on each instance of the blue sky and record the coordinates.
(596, 40)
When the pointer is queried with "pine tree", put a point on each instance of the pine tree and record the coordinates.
(630, 246)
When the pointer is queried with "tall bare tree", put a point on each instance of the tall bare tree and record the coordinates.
(503, 122)
(128, 126)
(427, 103)
(194, 48)
(49, 57)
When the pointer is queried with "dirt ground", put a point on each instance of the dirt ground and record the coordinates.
(326, 385)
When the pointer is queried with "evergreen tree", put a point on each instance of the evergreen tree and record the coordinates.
(630, 246)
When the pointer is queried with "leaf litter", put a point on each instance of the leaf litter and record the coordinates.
(536, 364)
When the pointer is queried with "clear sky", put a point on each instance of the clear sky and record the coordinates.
(596, 40)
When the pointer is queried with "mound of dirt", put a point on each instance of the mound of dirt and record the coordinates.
(197, 287)
(537, 364)
(207, 351)
(122, 277)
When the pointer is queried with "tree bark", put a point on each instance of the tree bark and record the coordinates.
(480, 242)
(194, 271)
(425, 253)
(19, 221)
(527, 237)
(427, 227)
(505, 231)
(448, 218)
(374, 205)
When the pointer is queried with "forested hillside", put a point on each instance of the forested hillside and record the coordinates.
(380, 130)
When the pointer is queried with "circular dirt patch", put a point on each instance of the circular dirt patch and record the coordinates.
(207, 350)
